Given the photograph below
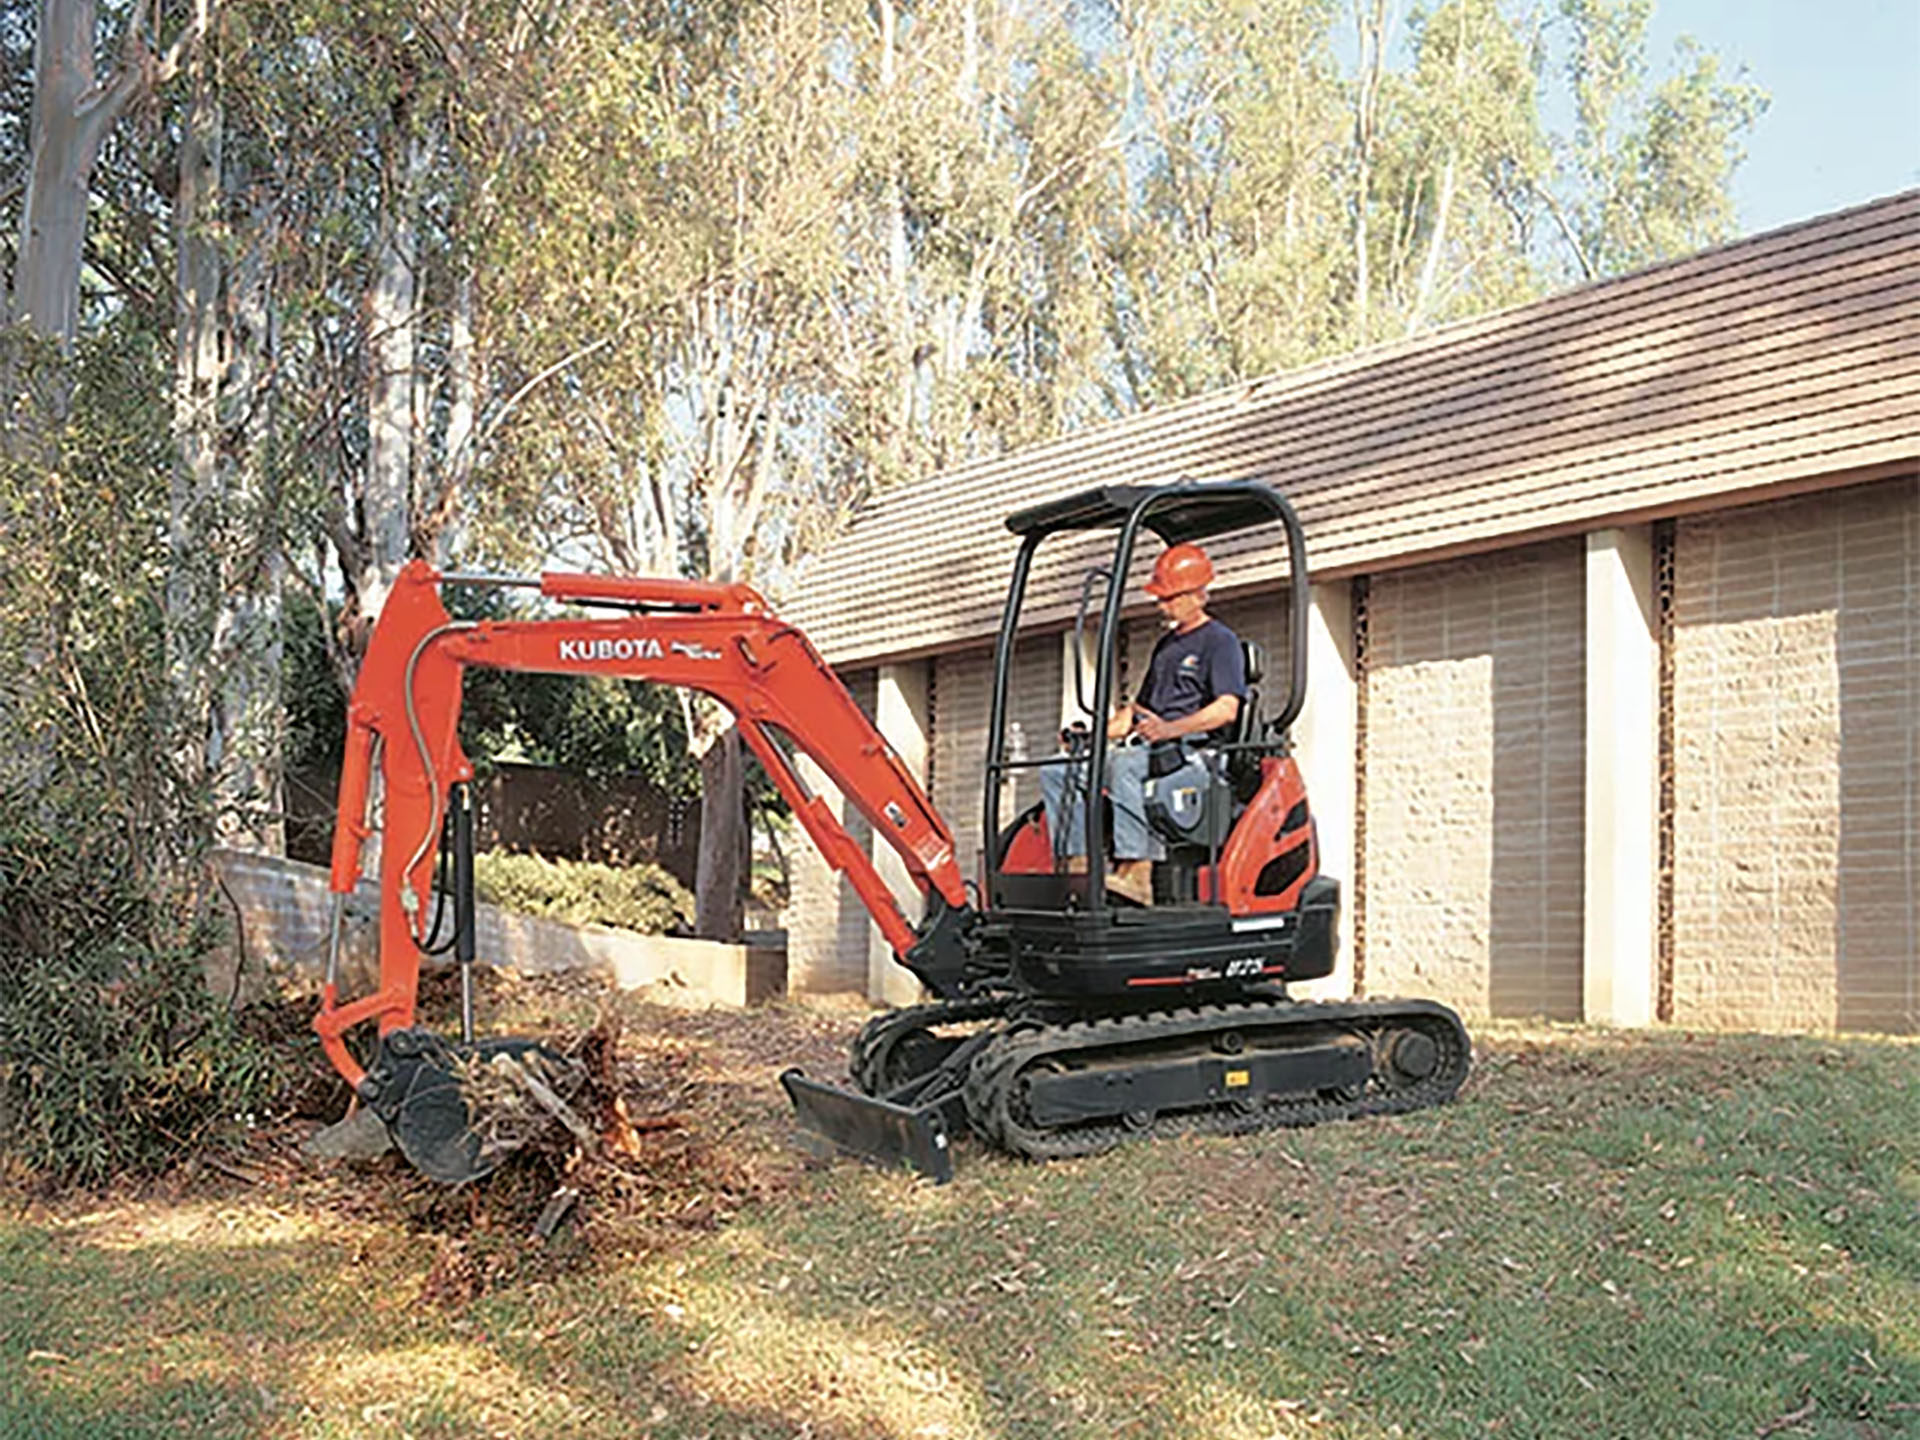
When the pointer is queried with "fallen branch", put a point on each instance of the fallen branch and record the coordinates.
(1787, 1422)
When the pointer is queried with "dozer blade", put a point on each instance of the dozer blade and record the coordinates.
(424, 1088)
(877, 1131)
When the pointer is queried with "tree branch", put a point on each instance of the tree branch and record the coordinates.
(499, 417)
(1567, 233)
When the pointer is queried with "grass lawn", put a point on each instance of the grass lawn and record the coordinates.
(1647, 1236)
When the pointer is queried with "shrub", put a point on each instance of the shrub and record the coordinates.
(114, 1055)
(641, 897)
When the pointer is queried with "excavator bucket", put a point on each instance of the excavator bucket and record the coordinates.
(877, 1131)
(457, 1111)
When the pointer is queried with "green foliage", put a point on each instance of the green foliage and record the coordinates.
(591, 725)
(310, 693)
(1648, 171)
(639, 897)
(586, 724)
(114, 1055)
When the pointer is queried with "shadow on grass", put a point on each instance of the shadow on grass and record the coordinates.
(136, 1337)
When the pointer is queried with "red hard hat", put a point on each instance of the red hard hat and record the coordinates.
(1179, 569)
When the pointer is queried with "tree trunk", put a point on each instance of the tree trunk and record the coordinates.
(1436, 248)
(71, 116)
(463, 410)
(720, 880)
(248, 702)
(1371, 19)
(391, 330)
(223, 582)
(194, 580)
(899, 306)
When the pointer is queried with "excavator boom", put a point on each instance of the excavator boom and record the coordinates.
(721, 640)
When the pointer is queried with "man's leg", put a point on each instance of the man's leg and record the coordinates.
(1063, 795)
(1135, 846)
(1133, 837)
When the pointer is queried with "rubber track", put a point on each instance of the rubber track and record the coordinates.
(993, 1081)
(873, 1047)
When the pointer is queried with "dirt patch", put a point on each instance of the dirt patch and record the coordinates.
(687, 1101)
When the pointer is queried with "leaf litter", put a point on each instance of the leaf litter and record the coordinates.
(671, 1120)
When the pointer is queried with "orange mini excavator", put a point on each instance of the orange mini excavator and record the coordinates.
(1061, 1021)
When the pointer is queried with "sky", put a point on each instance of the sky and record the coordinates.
(1844, 79)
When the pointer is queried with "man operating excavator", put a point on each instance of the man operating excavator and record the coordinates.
(1055, 1027)
(1195, 685)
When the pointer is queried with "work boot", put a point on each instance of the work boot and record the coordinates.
(1133, 880)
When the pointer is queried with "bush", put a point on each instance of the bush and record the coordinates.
(114, 1055)
(643, 897)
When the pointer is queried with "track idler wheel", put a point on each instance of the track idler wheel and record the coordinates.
(1406, 1057)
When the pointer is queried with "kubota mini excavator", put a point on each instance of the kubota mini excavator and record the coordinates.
(1061, 1021)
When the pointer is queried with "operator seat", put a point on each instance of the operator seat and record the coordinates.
(1243, 766)
(1246, 725)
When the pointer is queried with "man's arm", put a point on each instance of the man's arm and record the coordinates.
(1216, 714)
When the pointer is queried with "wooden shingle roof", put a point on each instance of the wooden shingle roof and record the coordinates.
(1786, 361)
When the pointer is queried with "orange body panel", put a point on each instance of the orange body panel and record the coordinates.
(1272, 852)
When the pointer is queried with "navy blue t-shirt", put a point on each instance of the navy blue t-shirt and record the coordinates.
(1190, 671)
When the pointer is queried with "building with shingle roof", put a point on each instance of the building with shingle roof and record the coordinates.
(1615, 655)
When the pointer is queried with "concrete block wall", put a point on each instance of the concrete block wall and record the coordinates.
(1797, 764)
(962, 690)
(284, 907)
(962, 694)
(1795, 723)
(826, 923)
(1475, 756)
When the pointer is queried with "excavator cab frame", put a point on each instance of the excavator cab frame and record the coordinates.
(1211, 934)
(1187, 511)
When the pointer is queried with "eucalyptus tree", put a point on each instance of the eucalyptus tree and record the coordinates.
(1301, 181)
(1454, 233)
(655, 316)
(225, 526)
(985, 130)
(76, 104)
(1648, 169)
(87, 69)
(1227, 231)
(775, 254)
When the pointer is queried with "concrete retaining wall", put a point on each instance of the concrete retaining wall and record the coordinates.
(283, 908)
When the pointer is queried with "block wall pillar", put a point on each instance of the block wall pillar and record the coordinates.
(1622, 778)
(1325, 746)
(903, 715)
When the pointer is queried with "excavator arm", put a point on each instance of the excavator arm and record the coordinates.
(721, 640)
